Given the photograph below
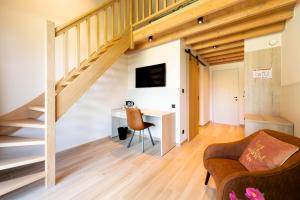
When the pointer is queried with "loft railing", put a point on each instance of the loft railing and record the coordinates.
(147, 11)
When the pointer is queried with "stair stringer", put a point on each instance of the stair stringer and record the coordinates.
(68, 96)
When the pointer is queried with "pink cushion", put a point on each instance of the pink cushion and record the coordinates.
(266, 152)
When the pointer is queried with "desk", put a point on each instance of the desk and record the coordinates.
(166, 126)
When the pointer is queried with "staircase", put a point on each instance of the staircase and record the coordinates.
(61, 95)
(107, 32)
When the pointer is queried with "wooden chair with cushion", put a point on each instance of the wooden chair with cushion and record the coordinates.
(280, 183)
(136, 123)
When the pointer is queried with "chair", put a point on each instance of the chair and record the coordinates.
(135, 122)
(281, 183)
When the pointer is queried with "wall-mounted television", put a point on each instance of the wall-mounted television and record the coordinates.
(151, 76)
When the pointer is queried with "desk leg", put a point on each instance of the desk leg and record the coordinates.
(167, 133)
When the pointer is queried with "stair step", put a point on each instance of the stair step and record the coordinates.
(76, 74)
(7, 163)
(13, 141)
(25, 123)
(16, 183)
(37, 108)
(66, 83)
(84, 67)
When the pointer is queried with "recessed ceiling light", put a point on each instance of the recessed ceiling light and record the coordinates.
(200, 20)
(150, 38)
(215, 47)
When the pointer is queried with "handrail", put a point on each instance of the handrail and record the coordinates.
(65, 27)
(102, 25)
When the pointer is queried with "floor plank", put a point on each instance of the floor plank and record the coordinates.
(106, 169)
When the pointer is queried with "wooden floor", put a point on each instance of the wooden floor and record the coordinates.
(106, 169)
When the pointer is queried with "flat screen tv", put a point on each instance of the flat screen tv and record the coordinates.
(151, 76)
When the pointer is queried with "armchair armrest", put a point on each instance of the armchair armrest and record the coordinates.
(281, 183)
(232, 150)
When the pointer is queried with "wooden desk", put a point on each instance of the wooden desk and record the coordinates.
(167, 126)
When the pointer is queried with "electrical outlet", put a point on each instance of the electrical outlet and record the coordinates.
(173, 106)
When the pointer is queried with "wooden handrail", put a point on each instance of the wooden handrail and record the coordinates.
(67, 26)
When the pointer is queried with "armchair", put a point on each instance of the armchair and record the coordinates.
(281, 183)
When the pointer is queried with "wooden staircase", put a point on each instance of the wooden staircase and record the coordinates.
(60, 96)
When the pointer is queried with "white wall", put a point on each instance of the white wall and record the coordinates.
(161, 97)
(240, 67)
(22, 70)
(204, 95)
(290, 79)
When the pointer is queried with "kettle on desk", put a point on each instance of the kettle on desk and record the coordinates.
(129, 103)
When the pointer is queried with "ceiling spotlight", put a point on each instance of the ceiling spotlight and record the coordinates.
(150, 38)
(215, 47)
(200, 20)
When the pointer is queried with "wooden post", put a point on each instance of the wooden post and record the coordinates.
(50, 104)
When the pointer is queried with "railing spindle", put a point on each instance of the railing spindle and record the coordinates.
(88, 36)
(130, 12)
(125, 14)
(137, 10)
(66, 53)
(143, 9)
(105, 25)
(78, 45)
(150, 7)
(119, 17)
(157, 6)
(165, 3)
(98, 31)
(113, 20)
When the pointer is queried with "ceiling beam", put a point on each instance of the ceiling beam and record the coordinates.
(242, 36)
(190, 13)
(243, 26)
(222, 47)
(224, 56)
(227, 61)
(230, 51)
(232, 17)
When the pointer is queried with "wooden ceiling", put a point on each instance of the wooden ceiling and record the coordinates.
(220, 38)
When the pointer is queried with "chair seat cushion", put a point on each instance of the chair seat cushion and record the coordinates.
(148, 124)
(219, 168)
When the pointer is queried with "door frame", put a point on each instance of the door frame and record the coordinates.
(239, 67)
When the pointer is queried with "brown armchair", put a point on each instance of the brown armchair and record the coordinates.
(281, 183)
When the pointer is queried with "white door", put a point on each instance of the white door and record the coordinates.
(225, 104)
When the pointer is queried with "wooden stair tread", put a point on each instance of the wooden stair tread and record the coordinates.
(13, 141)
(37, 108)
(7, 163)
(25, 123)
(66, 83)
(15, 183)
